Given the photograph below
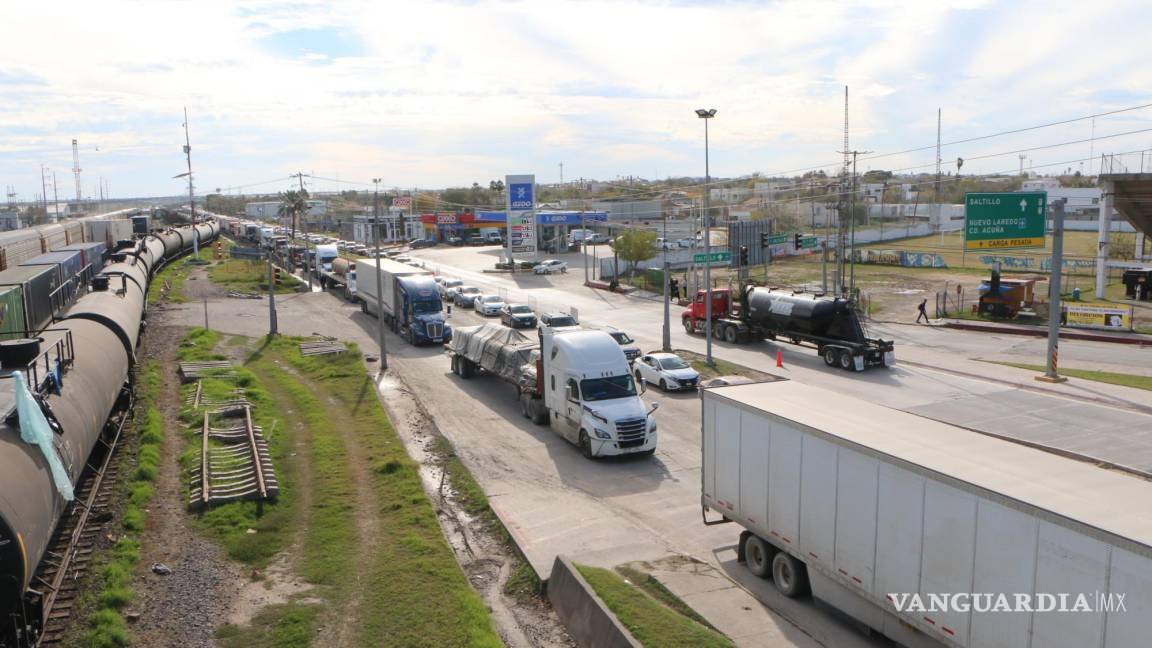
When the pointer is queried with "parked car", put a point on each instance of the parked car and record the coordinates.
(599, 239)
(662, 244)
(627, 344)
(494, 238)
(550, 266)
(454, 240)
(489, 304)
(421, 243)
(517, 315)
(668, 370)
(476, 239)
(465, 296)
(448, 288)
(558, 320)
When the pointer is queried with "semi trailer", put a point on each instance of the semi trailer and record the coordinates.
(410, 299)
(340, 273)
(756, 313)
(576, 380)
(928, 533)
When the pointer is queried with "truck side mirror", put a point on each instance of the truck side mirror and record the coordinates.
(655, 406)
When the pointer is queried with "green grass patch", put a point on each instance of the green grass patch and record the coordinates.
(246, 275)
(278, 626)
(174, 274)
(654, 624)
(523, 583)
(1111, 378)
(410, 590)
(720, 367)
(656, 590)
(112, 590)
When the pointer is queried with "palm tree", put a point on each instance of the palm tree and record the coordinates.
(293, 204)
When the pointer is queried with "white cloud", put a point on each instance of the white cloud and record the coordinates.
(439, 93)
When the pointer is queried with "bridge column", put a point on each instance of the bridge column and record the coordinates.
(1103, 238)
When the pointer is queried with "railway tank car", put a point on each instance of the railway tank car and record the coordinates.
(78, 372)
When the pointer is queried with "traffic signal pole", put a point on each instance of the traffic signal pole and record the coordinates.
(271, 296)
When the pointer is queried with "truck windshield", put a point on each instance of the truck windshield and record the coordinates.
(423, 307)
(621, 338)
(596, 389)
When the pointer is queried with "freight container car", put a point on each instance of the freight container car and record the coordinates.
(69, 266)
(40, 288)
(12, 321)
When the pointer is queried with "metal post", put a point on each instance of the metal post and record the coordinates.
(584, 241)
(309, 261)
(667, 299)
(191, 199)
(206, 315)
(379, 279)
(824, 266)
(706, 115)
(272, 328)
(1104, 234)
(1051, 375)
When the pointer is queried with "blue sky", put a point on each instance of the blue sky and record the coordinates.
(432, 94)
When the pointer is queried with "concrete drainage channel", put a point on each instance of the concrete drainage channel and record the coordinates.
(481, 552)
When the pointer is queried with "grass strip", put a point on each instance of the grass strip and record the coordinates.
(654, 624)
(112, 589)
(1111, 378)
(656, 590)
(175, 274)
(720, 367)
(245, 275)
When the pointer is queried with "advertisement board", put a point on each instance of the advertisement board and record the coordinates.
(1109, 318)
(520, 193)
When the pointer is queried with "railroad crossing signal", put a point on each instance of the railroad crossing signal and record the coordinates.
(743, 255)
(797, 240)
(276, 277)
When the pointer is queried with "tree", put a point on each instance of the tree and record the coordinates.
(496, 186)
(293, 204)
(634, 246)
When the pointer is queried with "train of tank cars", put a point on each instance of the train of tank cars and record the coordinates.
(76, 366)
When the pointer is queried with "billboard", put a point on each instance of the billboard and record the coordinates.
(1109, 318)
(520, 194)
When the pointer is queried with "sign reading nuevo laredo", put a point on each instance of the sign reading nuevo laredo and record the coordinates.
(999, 221)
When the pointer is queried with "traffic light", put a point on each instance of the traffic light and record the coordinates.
(743, 255)
(763, 239)
(796, 240)
(276, 277)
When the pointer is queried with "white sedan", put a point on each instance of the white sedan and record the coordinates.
(551, 266)
(489, 304)
(668, 370)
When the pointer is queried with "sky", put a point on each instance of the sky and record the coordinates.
(431, 94)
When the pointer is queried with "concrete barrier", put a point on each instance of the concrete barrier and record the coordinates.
(589, 622)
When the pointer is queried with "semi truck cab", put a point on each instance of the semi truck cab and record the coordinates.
(422, 315)
(590, 394)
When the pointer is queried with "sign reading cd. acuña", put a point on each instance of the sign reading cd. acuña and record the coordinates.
(997, 221)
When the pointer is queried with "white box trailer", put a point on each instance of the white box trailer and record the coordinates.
(410, 299)
(870, 506)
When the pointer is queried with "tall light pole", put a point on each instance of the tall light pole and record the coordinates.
(667, 337)
(707, 114)
(379, 280)
(191, 200)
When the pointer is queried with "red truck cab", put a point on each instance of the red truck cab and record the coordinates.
(695, 315)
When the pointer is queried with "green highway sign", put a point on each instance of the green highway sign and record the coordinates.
(714, 257)
(997, 221)
(778, 239)
(808, 242)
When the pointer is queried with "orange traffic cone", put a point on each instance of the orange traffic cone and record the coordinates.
(779, 358)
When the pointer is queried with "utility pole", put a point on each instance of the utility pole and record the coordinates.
(272, 328)
(667, 337)
(55, 198)
(300, 175)
(379, 279)
(191, 198)
(936, 193)
(706, 115)
(852, 222)
(44, 190)
(1051, 375)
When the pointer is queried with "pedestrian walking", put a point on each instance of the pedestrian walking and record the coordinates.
(674, 289)
(923, 312)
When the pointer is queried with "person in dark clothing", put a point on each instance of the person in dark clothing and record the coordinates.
(674, 289)
(923, 312)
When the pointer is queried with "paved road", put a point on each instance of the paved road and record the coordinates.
(611, 512)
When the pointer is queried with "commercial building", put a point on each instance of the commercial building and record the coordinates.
(271, 209)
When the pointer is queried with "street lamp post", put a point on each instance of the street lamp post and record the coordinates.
(707, 114)
(667, 338)
(379, 280)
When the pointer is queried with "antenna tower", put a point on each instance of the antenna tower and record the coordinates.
(76, 169)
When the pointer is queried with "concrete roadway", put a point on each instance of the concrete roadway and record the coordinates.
(616, 511)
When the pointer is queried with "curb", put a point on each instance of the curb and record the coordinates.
(1037, 333)
(588, 619)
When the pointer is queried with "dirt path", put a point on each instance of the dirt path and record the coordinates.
(185, 607)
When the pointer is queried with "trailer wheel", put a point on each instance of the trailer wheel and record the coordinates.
(789, 575)
(831, 356)
(456, 365)
(846, 361)
(467, 368)
(757, 556)
(717, 331)
(688, 328)
(730, 334)
(363, 307)
(539, 412)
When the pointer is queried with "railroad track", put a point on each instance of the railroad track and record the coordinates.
(70, 551)
(238, 466)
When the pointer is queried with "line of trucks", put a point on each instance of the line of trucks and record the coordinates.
(926, 532)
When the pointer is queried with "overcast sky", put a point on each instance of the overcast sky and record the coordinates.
(433, 94)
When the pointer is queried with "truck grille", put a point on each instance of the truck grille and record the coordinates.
(435, 330)
(630, 432)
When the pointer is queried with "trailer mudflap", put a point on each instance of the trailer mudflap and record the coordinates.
(707, 522)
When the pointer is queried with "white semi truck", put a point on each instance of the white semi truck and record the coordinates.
(577, 380)
(929, 533)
